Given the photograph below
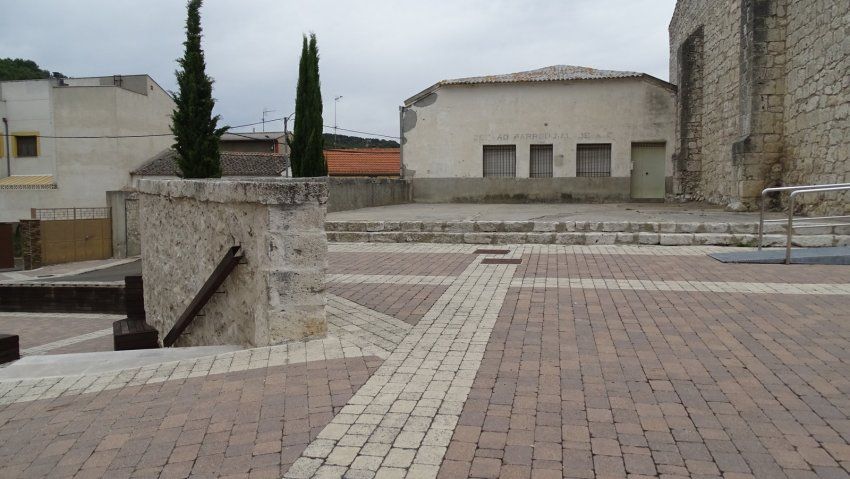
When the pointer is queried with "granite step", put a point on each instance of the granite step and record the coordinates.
(581, 233)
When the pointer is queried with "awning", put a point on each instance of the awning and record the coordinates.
(28, 182)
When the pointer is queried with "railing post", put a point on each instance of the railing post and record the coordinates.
(761, 221)
(790, 228)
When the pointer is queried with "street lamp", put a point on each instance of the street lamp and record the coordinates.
(336, 99)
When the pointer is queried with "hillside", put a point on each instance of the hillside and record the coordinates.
(345, 141)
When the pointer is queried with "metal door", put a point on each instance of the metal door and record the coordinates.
(7, 253)
(648, 170)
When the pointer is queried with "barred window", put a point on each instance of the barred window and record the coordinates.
(26, 146)
(499, 160)
(540, 165)
(593, 159)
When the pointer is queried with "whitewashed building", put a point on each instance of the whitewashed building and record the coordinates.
(560, 133)
(66, 142)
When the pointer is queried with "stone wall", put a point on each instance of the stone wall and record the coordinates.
(775, 98)
(360, 192)
(276, 294)
(521, 190)
(817, 103)
(710, 29)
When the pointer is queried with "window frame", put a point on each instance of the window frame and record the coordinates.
(593, 172)
(17, 136)
(505, 149)
(549, 171)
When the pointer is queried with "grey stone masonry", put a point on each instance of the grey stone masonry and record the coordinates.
(277, 292)
(580, 233)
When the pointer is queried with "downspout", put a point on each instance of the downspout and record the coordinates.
(8, 153)
(401, 140)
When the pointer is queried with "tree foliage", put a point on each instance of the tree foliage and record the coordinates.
(20, 69)
(195, 129)
(308, 157)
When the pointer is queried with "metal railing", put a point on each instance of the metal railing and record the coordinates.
(793, 192)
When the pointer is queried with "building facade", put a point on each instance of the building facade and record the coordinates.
(764, 98)
(253, 142)
(560, 133)
(61, 134)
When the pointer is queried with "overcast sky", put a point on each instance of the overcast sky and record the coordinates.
(374, 53)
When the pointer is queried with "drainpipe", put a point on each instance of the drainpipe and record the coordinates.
(8, 154)
(401, 141)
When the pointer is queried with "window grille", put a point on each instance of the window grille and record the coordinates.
(26, 146)
(593, 159)
(499, 160)
(541, 161)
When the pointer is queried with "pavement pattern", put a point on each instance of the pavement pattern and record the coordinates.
(578, 362)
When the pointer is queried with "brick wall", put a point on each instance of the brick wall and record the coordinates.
(31, 243)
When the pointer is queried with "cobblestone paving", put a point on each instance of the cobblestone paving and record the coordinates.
(53, 333)
(256, 421)
(583, 361)
(406, 302)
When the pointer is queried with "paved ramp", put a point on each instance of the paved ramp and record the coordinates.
(837, 255)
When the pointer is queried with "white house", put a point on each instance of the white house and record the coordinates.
(561, 133)
(65, 142)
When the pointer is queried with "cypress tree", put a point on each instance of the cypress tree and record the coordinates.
(308, 157)
(194, 127)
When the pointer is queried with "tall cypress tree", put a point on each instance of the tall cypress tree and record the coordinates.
(308, 157)
(195, 128)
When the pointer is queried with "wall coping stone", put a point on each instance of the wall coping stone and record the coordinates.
(266, 191)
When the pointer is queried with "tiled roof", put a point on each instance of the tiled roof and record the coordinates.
(253, 136)
(364, 162)
(551, 73)
(232, 164)
(28, 182)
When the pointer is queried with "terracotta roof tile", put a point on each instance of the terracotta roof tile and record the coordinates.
(232, 164)
(364, 162)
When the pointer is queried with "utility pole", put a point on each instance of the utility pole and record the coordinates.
(336, 99)
(264, 117)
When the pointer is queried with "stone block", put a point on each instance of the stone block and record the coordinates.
(410, 226)
(509, 238)
(566, 226)
(545, 227)
(667, 227)
(745, 228)
(540, 238)
(812, 241)
(459, 227)
(773, 228)
(715, 239)
(477, 238)
(433, 226)
(713, 228)
(676, 239)
(627, 238)
(518, 226)
(570, 238)
(645, 227)
(488, 226)
(372, 226)
(687, 227)
(615, 226)
(648, 238)
(386, 237)
(600, 238)
(582, 225)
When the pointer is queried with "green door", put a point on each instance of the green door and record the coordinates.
(648, 170)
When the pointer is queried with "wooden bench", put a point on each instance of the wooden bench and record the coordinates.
(10, 348)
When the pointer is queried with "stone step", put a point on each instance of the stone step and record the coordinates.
(587, 238)
(459, 227)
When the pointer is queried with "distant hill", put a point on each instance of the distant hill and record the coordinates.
(20, 69)
(345, 141)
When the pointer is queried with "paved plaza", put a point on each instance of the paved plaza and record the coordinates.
(565, 361)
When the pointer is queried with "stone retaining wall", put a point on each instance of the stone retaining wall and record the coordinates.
(276, 294)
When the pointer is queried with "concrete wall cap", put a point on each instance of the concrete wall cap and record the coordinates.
(266, 191)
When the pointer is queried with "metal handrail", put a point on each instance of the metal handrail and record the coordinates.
(792, 189)
(791, 212)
